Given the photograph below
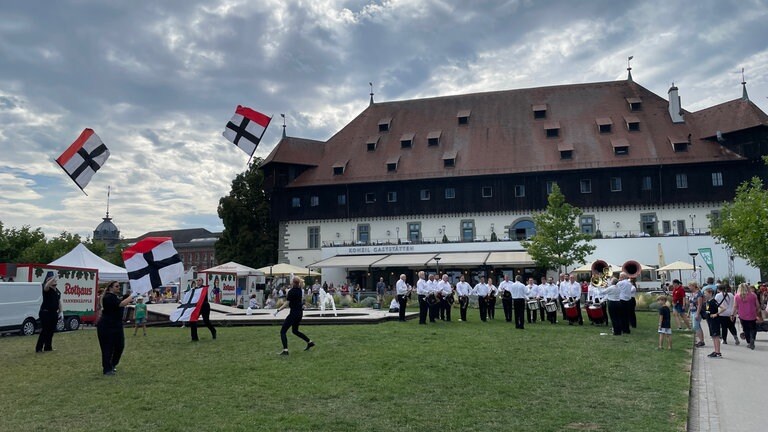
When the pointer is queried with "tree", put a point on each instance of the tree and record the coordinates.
(13, 241)
(558, 241)
(743, 223)
(250, 235)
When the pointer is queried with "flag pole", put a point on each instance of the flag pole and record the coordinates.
(68, 175)
(260, 137)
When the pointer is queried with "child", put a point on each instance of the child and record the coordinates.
(711, 306)
(140, 316)
(665, 323)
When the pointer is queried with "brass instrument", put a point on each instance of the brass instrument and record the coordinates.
(632, 268)
(601, 274)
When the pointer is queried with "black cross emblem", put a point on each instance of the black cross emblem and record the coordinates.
(242, 132)
(190, 304)
(153, 268)
(88, 160)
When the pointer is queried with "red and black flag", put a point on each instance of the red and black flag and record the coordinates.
(152, 262)
(246, 128)
(191, 303)
(84, 157)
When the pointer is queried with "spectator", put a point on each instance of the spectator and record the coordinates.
(746, 307)
(724, 301)
(696, 305)
(678, 304)
(140, 316)
(709, 312)
(252, 303)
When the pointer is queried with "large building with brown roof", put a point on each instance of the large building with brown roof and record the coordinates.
(469, 168)
(196, 246)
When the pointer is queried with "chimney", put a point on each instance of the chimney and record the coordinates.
(675, 110)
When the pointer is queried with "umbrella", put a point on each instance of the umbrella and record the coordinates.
(286, 269)
(587, 268)
(677, 265)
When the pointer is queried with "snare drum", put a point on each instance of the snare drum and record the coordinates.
(551, 306)
(533, 305)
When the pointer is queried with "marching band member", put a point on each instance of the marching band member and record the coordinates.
(611, 296)
(463, 290)
(492, 293)
(574, 292)
(563, 292)
(625, 293)
(553, 294)
(421, 292)
(542, 296)
(518, 301)
(402, 291)
(432, 298)
(632, 304)
(446, 298)
(506, 297)
(481, 291)
(532, 293)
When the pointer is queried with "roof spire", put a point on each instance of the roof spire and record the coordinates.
(629, 68)
(283, 116)
(109, 188)
(744, 86)
(371, 84)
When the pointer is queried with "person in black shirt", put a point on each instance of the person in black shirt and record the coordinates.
(50, 310)
(711, 306)
(665, 322)
(110, 327)
(205, 312)
(296, 303)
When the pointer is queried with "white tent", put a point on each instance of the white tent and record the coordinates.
(80, 256)
(233, 267)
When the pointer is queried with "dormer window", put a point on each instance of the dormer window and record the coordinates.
(679, 145)
(566, 151)
(552, 129)
(392, 163)
(463, 117)
(371, 143)
(604, 124)
(340, 167)
(633, 123)
(449, 159)
(539, 111)
(620, 146)
(384, 124)
(433, 138)
(635, 104)
(406, 141)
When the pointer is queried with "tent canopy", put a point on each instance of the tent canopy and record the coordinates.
(285, 270)
(677, 265)
(80, 256)
(233, 267)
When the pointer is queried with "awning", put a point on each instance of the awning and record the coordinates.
(603, 121)
(461, 259)
(619, 142)
(348, 261)
(405, 260)
(565, 146)
(539, 107)
(509, 258)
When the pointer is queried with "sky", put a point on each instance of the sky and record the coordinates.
(158, 81)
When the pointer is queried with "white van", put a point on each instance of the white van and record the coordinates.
(19, 306)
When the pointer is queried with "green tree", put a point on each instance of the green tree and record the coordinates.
(46, 251)
(250, 234)
(743, 223)
(14, 241)
(558, 241)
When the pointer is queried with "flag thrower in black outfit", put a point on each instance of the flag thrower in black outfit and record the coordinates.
(296, 303)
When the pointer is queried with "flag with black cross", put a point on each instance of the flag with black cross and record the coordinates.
(191, 303)
(151, 263)
(246, 128)
(83, 158)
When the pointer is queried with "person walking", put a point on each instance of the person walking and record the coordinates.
(109, 329)
(709, 312)
(205, 312)
(293, 320)
(746, 307)
(49, 313)
(724, 301)
(696, 305)
(402, 291)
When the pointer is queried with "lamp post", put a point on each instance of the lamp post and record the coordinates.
(693, 257)
(397, 229)
(693, 219)
(437, 265)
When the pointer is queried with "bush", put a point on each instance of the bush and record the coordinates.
(368, 302)
(345, 301)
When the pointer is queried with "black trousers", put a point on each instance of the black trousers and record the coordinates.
(631, 312)
(205, 312)
(492, 307)
(541, 311)
(562, 306)
(292, 322)
(578, 309)
(519, 306)
(434, 310)
(445, 309)
(403, 302)
(625, 305)
(48, 320)
(463, 305)
(423, 308)
(727, 325)
(483, 305)
(750, 329)
(506, 303)
(112, 343)
(616, 312)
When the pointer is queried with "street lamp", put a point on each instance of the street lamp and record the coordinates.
(693, 219)
(693, 257)
(437, 265)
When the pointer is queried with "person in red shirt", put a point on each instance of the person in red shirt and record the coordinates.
(678, 303)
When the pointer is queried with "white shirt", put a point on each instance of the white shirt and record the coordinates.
(625, 289)
(533, 291)
(564, 289)
(463, 289)
(593, 294)
(727, 303)
(551, 291)
(402, 287)
(506, 286)
(480, 290)
(518, 290)
(421, 287)
(492, 290)
(394, 304)
(445, 288)
(573, 289)
(431, 287)
(611, 293)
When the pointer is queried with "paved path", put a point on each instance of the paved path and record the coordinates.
(729, 393)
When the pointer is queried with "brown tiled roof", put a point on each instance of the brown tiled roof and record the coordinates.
(728, 117)
(502, 136)
(298, 151)
(180, 235)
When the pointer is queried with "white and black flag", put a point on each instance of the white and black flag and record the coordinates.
(84, 157)
(246, 128)
(152, 262)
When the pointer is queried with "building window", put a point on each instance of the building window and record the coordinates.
(433, 139)
(539, 112)
(519, 191)
(587, 224)
(314, 201)
(392, 167)
(717, 179)
(295, 202)
(605, 128)
(647, 183)
(371, 146)
(666, 227)
(714, 219)
(313, 237)
(550, 186)
(337, 170)
(635, 104)
(681, 181)
(414, 232)
(487, 191)
(468, 230)
(585, 186)
(371, 143)
(424, 195)
(648, 223)
(679, 147)
(449, 162)
(553, 132)
(566, 154)
(391, 196)
(633, 125)
(364, 233)
(341, 199)
(463, 117)
(522, 230)
(384, 124)
(450, 193)
(615, 184)
(620, 151)
(406, 141)
(370, 197)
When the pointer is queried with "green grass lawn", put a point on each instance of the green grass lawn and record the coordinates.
(386, 377)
